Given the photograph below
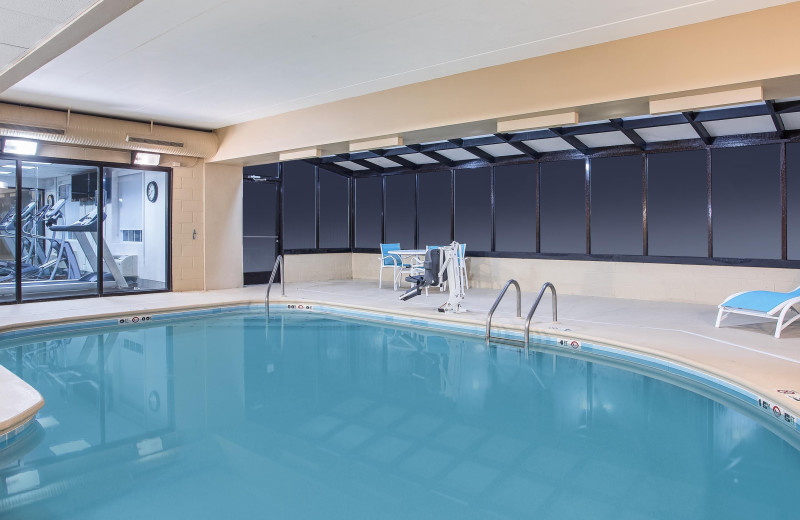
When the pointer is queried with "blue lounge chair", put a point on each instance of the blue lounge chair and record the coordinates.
(764, 304)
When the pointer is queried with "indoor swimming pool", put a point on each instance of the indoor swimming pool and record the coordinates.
(308, 415)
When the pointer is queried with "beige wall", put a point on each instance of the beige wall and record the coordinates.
(756, 48)
(223, 226)
(188, 266)
(702, 284)
(318, 267)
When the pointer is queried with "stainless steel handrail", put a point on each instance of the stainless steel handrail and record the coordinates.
(533, 309)
(497, 302)
(278, 261)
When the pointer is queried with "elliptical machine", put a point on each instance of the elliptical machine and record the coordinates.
(440, 266)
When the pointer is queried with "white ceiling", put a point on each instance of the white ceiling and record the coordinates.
(213, 63)
(26, 23)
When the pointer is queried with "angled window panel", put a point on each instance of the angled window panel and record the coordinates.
(419, 158)
(746, 204)
(457, 154)
(350, 165)
(616, 205)
(604, 139)
(500, 150)
(742, 125)
(551, 144)
(660, 134)
(562, 203)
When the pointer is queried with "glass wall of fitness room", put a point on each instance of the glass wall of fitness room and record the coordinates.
(714, 205)
(57, 230)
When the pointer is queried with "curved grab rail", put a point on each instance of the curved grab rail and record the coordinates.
(533, 309)
(278, 261)
(497, 302)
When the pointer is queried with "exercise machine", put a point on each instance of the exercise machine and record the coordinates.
(440, 266)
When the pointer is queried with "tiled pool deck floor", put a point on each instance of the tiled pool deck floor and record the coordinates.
(743, 351)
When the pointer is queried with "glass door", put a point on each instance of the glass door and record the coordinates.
(261, 240)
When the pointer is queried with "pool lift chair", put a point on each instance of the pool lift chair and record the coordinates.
(764, 304)
(441, 265)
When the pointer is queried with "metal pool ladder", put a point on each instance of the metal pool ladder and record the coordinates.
(526, 341)
(497, 302)
(278, 262)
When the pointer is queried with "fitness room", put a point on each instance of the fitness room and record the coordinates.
(56, 229)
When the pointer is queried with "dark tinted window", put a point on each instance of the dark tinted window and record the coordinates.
(262, 170)
(473, 210)
(401, 211)
(299, 205)
(334, 210)
(369, 194)
(259, 223)
(745, 191)
(562, 207)
(434, 209)
(515, 208)
(793, 200)
(677, 204)
(616, 205)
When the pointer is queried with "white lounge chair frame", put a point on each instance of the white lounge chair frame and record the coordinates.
(776, 313)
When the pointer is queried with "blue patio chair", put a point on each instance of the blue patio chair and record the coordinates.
(393, 262)
(764, 304)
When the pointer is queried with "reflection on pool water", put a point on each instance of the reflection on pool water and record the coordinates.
(319, 417)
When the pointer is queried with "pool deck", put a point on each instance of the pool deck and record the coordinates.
(743, 351)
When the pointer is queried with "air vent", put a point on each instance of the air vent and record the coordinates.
(157, 142)
(33, 129)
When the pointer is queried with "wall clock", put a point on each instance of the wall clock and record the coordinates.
(152, 191)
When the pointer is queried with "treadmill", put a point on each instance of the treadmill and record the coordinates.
(85, 230)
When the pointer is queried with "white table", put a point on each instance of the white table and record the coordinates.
(412, 257)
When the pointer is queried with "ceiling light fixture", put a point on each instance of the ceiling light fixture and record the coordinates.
(300, 154)
(710, 100)
(20, 147)
(372, 144)
(146, 159)
(530, 123)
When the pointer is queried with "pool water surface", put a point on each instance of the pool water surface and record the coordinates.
(313, 416)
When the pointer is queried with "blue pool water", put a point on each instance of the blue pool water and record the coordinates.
(320, 417)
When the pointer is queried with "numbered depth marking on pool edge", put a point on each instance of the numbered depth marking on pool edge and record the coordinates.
(570, 343)
(299, 307)
(135, 319)
(776, 411)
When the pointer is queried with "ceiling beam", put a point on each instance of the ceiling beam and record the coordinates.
(369, 165)
(572, 141)
(776, 119)
(486, 156)
(335, 168)
(519, 146)
(404, 162)
(630, 134)
(701, 131)
(436, 156)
